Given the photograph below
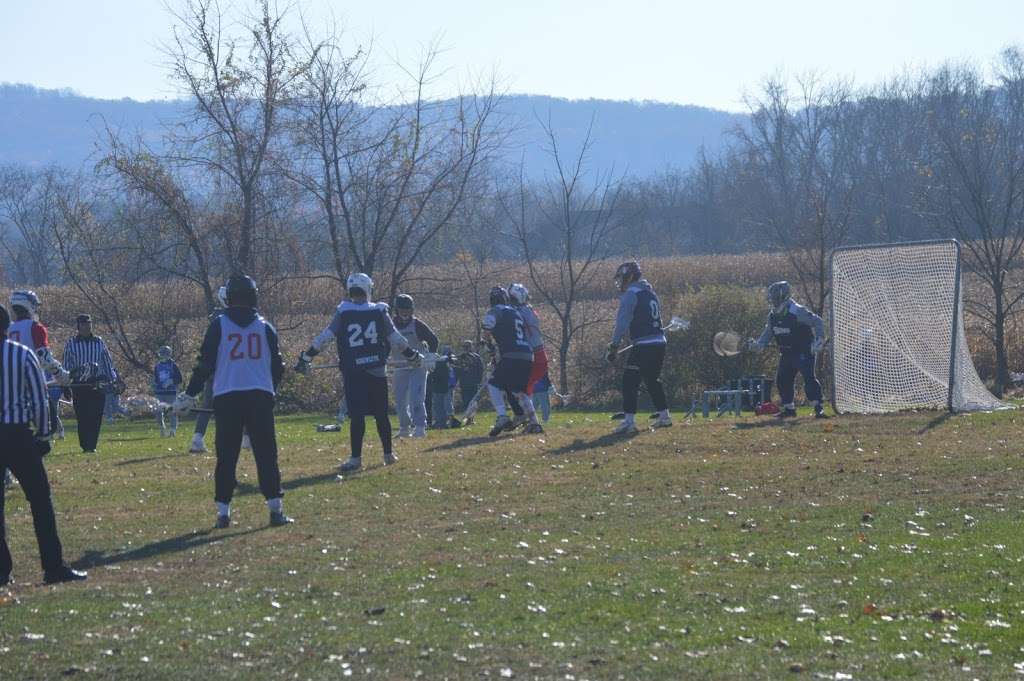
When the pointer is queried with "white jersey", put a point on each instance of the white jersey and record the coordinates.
(21, 332)
(243, 358)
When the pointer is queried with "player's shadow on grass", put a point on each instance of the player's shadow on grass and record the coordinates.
(245, 489)
(147, 459)
(771, 423)
(580, 446)
(462, 442)
(95, 559)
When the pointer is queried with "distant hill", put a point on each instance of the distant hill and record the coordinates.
(40, 127)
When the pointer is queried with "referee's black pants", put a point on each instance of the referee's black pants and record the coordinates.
(644, 366)
(18, 452)
(251, 411)
(88, 403)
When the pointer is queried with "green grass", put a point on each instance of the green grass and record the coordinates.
(883, 547)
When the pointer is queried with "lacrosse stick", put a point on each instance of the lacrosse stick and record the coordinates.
(727, 344)
(675, 324)
(164, 407)
(474, 404)
(428, 360)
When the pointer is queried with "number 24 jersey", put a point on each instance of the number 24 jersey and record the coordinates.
(362, 332)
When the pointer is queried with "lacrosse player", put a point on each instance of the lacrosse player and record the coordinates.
(800, 335)
(639, 315)
(411, 381)
(27, 330)
(166, 382)
(364, 335)
(87, 352)
(240, 356)
(519, 296)
(24, 441)
(504, 328)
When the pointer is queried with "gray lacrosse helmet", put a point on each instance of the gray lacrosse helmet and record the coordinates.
(778, 295)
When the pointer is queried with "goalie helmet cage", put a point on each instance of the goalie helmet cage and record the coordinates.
(898, 339)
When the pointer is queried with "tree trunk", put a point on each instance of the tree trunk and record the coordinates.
(1002, 368)
(563, 355)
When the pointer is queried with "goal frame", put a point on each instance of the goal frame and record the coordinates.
(956, 304)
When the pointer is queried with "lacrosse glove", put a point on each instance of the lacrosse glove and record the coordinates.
(305, 359)
(42, 445)
(85, 373)
(183, 403)
(415, 359)
(612, 354)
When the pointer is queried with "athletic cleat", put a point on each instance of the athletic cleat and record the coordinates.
(662, 422)
(501, 423)
(246, 442)
(198, 446)
(223, 522)
(519, 420)
(353, 464)
(63, 574)
(278, 518)
(786, 414)
(626, 428)
(404, 432)
(819, 412)
(390, 458)
(534, 428)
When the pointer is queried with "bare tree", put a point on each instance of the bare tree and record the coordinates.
(27, 207)
(572, 219)
(390, 178)
(799, 151)
(975, 183)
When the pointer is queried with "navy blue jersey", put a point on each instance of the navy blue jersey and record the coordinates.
(362, 334)
(794, 329)
(792, 335)
(640, 315)
(508, 329)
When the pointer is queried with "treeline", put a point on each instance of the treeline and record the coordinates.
(295, 163)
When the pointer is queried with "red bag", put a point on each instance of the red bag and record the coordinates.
(766, 408)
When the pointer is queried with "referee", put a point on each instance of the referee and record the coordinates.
(81, 350)
(23, 403)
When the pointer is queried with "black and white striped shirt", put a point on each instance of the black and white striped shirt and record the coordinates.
(23, 398)
(79, 351)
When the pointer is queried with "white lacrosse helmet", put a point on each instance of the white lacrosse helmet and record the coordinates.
(362, 282)
(222, 296)
(28, 300)
(518, 293)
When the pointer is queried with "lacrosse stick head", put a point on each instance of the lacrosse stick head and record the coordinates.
(677, 324)
(727, 343)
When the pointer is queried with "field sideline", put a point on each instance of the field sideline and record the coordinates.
(864, 548)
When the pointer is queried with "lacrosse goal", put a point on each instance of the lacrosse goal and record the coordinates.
(898, 338)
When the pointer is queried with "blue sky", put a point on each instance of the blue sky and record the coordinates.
(707, 53)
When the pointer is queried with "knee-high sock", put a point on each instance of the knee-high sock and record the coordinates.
(497, 399)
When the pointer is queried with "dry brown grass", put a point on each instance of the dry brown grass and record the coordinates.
(300, 307)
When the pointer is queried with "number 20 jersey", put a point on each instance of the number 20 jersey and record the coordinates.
(243, 357)
(362, 332)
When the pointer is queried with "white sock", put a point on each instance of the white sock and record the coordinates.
(629, 418)
(497, 399)
(275, 505)
(526, 402)
(223, 509)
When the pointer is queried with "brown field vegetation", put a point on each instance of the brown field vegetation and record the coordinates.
(715, 292)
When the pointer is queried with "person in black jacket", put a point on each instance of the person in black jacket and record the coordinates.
(240, 356)
(24, 404)
(469, 372)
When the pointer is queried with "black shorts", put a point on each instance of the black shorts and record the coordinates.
(365, 394)
(512, 374)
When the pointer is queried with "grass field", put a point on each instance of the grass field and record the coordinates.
(862, 548)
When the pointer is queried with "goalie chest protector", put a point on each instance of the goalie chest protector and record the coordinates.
(243, 358)
(362, 337)
(789, 333)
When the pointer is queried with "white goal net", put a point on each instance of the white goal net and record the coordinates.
(898, 337)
